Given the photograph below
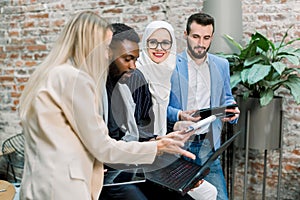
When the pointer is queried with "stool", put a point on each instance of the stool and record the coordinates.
(7, 190)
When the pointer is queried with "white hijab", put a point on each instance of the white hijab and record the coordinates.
(158, 75)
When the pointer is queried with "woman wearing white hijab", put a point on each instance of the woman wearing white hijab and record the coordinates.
(157, 61)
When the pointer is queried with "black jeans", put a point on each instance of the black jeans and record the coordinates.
(140, 191)
(122, 192)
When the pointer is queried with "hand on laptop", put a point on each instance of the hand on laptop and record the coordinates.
(173, 143)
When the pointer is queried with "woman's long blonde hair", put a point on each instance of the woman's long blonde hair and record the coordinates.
(83, 41)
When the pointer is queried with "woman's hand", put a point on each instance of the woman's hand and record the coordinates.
(182, 125)
(173, 143)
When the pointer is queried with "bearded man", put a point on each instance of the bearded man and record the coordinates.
(202, 80)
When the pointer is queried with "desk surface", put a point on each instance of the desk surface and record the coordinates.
(7, 190)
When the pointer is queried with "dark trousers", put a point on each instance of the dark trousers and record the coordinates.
(140, 191)
(122, 192)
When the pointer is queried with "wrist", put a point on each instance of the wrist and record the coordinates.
(159, 148)
(179, 115)
(155, 137)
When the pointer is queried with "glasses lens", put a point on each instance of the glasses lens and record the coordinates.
(152, 44)
(166, 44)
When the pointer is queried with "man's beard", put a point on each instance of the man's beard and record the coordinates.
(117, 75)
(194, 53)
(113, 70)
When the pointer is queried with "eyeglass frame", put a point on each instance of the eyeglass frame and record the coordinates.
(159, 43)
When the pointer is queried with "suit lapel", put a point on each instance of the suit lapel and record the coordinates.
(183, 78)
(215, 79)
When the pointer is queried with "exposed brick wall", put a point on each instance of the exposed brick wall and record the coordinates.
(29, 27)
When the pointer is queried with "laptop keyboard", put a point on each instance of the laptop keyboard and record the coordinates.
(176, 174)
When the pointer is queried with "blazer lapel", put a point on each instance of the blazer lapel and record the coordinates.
(215, 79)
(182, 65)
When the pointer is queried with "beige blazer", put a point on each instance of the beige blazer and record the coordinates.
(67, 142)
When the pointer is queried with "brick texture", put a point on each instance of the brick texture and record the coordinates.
(29, 27)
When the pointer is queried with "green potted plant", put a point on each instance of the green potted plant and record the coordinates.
(258, 70)
(261, 67)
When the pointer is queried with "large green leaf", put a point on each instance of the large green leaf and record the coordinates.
(262, 41)
(258, 72)
(266, 97)
(253, 60)
(293, 83)
(293, 59)
(279, 67)
(244, 75)
(233, 42)
(228, 56)
(235, 79)
(289, 51)
(249, 51)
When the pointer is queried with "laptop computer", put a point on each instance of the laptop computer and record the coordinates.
(120, 174)
(217, 111)
(178, 174)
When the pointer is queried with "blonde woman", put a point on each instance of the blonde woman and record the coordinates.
(66, 140)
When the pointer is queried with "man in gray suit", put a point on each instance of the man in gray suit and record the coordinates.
(202, 80)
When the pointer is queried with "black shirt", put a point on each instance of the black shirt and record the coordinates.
(142, 98)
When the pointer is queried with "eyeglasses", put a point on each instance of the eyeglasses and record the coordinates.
(153, 44)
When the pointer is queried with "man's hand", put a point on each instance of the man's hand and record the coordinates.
(198, 184)
(187, 116)
(236, 112)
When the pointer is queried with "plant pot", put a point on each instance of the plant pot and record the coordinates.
(264, 123)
